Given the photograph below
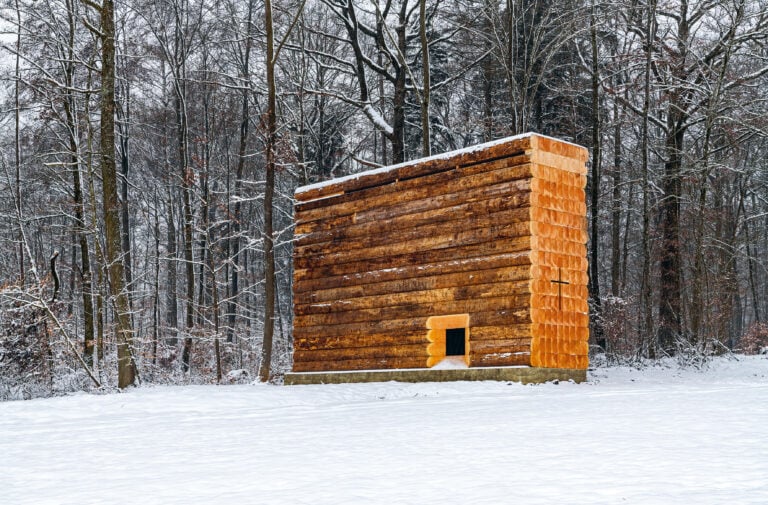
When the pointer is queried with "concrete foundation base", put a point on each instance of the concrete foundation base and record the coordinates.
(522, 374)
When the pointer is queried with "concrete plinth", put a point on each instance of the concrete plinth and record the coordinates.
(522, 374)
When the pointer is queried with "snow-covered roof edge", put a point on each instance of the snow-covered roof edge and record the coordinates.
(445, 155)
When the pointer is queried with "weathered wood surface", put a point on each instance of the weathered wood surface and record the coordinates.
(507, 332)
(370, 339)
(504, 267)
(514, 234)
(467, 211)
(400, 350)
(508, 223)
(559, 312)
(478, 296)
(409, 321)
(415, 310)
(404, 324)
(515, 345)
(486, 283)
(452, 180)
(410, 264)
(420, 206)
(501, 359)
(360, 364)
(478, 233)
(417, 169)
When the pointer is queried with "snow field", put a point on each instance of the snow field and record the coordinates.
(656, 436)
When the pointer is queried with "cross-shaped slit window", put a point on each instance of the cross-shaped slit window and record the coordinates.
(560, 283)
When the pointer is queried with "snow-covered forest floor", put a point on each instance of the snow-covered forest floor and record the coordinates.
(660, 435)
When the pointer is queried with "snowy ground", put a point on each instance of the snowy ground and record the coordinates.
(660, 435)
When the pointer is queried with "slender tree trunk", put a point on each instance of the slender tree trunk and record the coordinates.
(188, 260)
(156, 286)
(101, 288)
(400, 94)
(111, 203)
(616, 206)
(204, 238)
(240, 171)
(17, 139)
(751, 264)
(187, 183)
(171, 292)
(265, 368)
(171, 300)
(80, 228)
(80, 231)
(380, 62)
(645, 291)
(426, 149)
(124, 204)
(697, 308)
(594, 278)
(216, 324)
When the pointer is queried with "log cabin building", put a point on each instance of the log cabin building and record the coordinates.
(475, 256)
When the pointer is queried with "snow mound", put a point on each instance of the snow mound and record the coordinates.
(451, 363)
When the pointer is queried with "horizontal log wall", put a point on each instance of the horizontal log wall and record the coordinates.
(377, 255)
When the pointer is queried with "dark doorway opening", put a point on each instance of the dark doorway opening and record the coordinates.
(454, 341)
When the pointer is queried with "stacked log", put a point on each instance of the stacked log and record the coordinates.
(467, 238)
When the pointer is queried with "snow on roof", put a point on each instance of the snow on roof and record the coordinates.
(445, 155)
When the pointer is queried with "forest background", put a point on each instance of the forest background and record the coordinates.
(149, 151)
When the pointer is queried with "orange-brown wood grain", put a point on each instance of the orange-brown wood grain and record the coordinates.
(496, 234)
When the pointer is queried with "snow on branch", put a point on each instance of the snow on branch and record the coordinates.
(377, 119)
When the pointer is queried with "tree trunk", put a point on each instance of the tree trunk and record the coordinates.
(265, 368)
(124, 207)
(187, 183)
(594, 241)
(171, 302)
(156, 284)
(111, 203)
(426, 149)
(17, 140)
(400, 94)
(77, 193)
(616, 207)
(101, 289)
(123, 109)
(670, 287)
(241, 156)
(82, 240)
(645, 291)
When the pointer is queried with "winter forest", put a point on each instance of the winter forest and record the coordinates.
(149, 151)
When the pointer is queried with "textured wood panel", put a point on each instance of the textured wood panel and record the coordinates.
(360, 364)
(559, 312)
(503, 268)
(419, 168)
(499, 317)
(416, 310)
(411, 264)
(516, 235)
(451, 180)
(482, 232)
